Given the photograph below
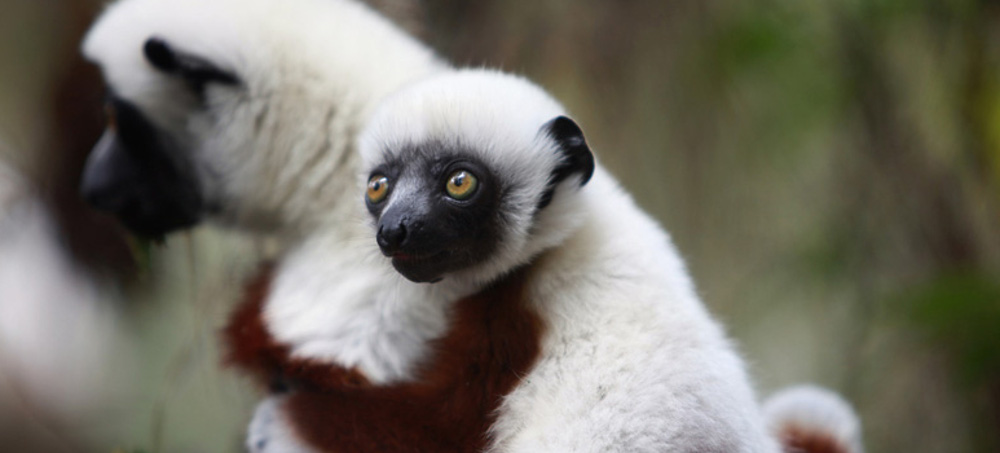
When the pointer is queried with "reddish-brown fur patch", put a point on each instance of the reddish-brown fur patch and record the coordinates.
(795, 439)
(493, 341)
(250, 346)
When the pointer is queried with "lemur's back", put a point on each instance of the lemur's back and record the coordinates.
(631, 360)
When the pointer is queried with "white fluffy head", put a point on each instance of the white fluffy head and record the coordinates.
(500, 120)
(276, 149)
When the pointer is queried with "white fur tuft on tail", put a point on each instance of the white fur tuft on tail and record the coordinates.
(810, 419)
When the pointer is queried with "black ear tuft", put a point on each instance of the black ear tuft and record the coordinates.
(576, 156)
(196, 71)
(160, 55)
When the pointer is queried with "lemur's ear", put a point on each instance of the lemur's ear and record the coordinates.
(196, 71)
(576, 156)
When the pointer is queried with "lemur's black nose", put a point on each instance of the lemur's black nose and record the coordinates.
(391, 237)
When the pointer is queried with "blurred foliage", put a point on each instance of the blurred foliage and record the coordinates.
(961, 312)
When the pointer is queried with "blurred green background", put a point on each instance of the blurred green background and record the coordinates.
(830, 169)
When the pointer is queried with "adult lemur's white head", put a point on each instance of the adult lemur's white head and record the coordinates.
(472, 174)
(242, 111)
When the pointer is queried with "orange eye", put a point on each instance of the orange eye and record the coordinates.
(461, 185)
(378, 188)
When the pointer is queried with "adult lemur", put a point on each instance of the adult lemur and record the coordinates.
(244, 112)
(477, 176)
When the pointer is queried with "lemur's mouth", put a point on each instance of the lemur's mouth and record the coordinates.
(414, 257)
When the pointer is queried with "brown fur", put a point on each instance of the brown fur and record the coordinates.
(493, 341)
(250, 346)
(799, 440)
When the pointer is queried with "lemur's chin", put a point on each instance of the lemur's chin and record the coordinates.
(417, 269)
(418, 277)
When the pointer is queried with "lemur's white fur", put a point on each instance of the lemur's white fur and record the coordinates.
(808, 409)
(631, 361)
(277, 154)
(336, 299)
(276, 151)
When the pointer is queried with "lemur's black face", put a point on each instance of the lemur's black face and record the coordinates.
(435, 214)
(439, 210)
(138, 172)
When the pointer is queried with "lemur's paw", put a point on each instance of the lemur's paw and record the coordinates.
(269, 431)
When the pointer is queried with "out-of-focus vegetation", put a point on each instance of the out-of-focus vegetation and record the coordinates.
(830, 170)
